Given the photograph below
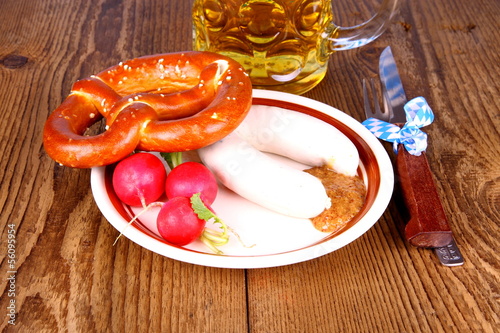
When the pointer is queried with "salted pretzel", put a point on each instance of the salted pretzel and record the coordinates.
(168, 103)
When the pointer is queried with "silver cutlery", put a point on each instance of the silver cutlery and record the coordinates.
(428, 226)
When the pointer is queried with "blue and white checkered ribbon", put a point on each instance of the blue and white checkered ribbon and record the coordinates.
(418, 115)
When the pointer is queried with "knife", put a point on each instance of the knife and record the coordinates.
(428, 226)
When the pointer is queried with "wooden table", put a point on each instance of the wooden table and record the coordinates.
(68, 277)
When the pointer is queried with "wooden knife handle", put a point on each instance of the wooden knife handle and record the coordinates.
(428, 225)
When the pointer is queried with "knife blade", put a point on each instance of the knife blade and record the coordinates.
(428, 225)
(392, 87)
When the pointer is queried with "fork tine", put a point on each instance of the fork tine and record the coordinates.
(368, 109)
(376, 103)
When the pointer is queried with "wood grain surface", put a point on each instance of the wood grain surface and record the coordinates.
(59, 270)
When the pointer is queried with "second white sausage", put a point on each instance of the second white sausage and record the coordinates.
(261, 179)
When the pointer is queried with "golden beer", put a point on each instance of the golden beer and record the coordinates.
(282, 44)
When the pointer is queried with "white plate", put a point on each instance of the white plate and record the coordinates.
(267, 239)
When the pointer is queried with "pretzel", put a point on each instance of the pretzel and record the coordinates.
(167, 103)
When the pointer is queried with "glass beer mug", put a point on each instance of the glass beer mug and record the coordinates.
(282, 44)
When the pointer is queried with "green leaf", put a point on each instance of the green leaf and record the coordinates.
(200, 209)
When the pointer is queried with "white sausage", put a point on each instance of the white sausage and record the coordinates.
(300, 137)
(263, 180)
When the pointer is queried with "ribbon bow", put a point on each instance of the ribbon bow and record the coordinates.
(418, 115)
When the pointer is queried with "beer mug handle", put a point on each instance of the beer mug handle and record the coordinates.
(345, 38)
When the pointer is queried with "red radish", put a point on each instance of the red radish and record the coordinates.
(189, 178)
(177, 223)
(139, 179)
(191, 187)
